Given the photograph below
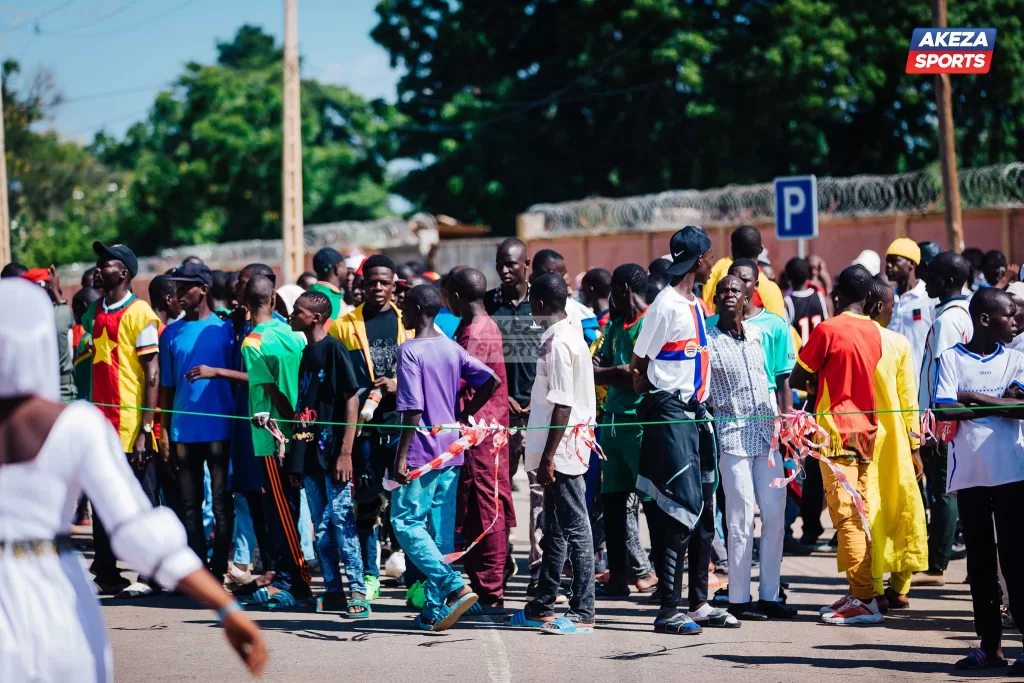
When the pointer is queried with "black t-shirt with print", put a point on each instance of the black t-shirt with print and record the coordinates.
(326, 380)
(382, 336)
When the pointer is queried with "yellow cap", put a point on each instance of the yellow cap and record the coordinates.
(905, 247)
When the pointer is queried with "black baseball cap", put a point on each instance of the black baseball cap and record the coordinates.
(687, 246)
(929, 250)
(325, 259)
(117, 252)
(194, 273)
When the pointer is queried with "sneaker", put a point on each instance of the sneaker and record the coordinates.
(372, 587)
(835, 606)
(415, 596)
(929, 579)
(395, 565)
(855, 612)
(776, 610)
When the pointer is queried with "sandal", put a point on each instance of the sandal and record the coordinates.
(260, 597)
(449, 614)
(360, 603)
(678, 625)
(564, 626)
(978, 659)
(604, 591)
(481, 610)
(716, 618)
(520, 620)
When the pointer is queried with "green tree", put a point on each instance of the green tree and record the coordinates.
(206, 163)
(61, 198)
(526, 101)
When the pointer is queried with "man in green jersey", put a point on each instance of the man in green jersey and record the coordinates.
(331, 274)
(621, 442)
(271, 354)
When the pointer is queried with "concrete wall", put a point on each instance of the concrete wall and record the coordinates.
(838, 241)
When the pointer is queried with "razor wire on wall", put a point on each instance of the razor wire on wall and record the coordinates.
(990, 187)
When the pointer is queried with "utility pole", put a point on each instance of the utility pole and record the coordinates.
(947, 146)
(5, 215)
(291, 158)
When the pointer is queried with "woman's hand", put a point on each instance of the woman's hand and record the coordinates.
(247, 641)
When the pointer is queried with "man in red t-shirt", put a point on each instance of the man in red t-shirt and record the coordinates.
(843, 352)
(484, 512)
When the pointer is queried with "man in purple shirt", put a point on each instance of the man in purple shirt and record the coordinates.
(431, 368)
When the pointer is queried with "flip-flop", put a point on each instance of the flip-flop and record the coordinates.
(481, 610)
(357, 602)
(260, 597)
(603, 592)
(718, 618)
(520, 620)
(678, 625)
(978, 659)
(564, 626)
(449, 614)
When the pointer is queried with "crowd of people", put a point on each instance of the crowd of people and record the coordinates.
(371, 418)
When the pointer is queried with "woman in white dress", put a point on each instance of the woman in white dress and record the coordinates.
(51, 628)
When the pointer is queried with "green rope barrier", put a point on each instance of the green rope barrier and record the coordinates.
(708, 420)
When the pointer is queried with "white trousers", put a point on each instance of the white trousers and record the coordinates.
(746, 480)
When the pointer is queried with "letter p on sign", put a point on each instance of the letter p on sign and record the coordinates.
(796, 207)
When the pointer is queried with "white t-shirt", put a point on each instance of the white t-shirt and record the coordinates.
(565, 376)
(674, 338)
(988, 451)
(952, 325)
(912, 317)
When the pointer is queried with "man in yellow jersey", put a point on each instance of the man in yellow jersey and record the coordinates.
(746, 243)
(125, 386)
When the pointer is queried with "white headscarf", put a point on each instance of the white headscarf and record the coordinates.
(28, 342)
(288, 294)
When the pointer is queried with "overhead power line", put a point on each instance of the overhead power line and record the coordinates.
(114, 93)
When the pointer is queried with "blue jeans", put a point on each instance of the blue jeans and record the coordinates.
(245, 534)
(429, 500)
(307, 529)
(331, 508)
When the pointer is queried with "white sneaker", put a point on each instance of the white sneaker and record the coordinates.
(835, 606)
(395, 566)
(855, 612)
(135, 590)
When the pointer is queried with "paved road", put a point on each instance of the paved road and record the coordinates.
(168, 639)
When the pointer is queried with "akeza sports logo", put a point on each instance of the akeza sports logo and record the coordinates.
(951, 50)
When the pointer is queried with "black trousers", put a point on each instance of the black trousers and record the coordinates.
(679, 541)
(994, 529)
(104, 563)
(189, 479)
(812, 500)
(943, 507)
(281, 514)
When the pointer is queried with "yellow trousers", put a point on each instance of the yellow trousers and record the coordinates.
(854, 548)
(898, 581)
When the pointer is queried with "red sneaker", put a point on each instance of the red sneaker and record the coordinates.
(855, 612)
(835, 606)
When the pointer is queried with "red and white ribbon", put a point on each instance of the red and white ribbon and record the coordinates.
(264, 421)
(497, 443)
(584, 432)
(472, 434)
(802, 437)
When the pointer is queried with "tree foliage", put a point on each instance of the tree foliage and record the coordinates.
(206, 163)
(61, 198)
(516, 102)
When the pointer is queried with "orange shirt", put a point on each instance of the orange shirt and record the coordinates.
(844, 351)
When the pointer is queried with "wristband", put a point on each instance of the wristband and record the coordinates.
(226, 610)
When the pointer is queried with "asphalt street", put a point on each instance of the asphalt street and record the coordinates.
(172, 639)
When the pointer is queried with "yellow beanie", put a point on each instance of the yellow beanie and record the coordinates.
(905, 247)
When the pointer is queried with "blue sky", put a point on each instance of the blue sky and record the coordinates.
(110, 57)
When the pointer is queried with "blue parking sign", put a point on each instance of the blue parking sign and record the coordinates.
(796, 207)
